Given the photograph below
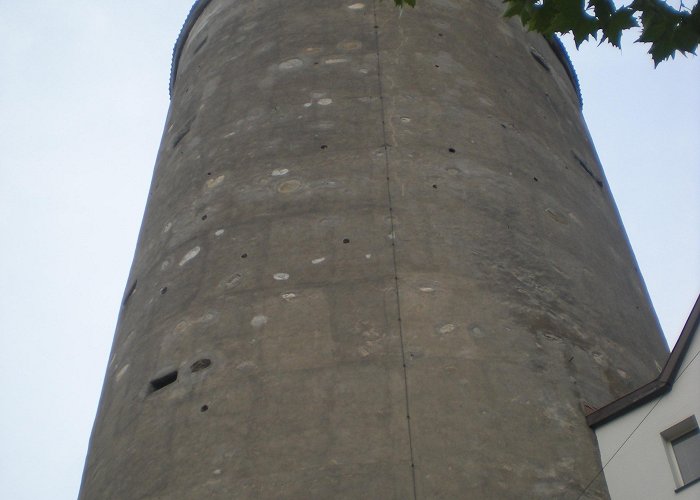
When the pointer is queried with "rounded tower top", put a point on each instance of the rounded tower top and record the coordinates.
(195, 12)
(199, 6)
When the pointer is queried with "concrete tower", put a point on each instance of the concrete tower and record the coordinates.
(379, 260)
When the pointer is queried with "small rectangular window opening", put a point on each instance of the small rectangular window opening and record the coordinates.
(160, 382)
(683, 448)
(687, 451)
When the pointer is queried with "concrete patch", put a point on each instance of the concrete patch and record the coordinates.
(190, 255)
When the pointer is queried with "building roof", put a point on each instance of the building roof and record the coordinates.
(657, 387)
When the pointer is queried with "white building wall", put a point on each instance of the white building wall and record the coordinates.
(641, 469)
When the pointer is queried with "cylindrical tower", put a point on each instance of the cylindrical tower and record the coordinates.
(379, 260)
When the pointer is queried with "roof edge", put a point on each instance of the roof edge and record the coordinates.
(662, 384)
(200, 5)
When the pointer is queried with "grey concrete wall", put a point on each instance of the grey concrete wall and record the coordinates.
(380, 253)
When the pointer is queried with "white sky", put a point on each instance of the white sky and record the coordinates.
(83, 99)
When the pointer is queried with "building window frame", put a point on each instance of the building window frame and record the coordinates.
(671, 437)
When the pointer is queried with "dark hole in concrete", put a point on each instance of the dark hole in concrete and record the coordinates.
(164, 290)
(434, 186)
(588, 170)
(164, 381)
(439, 34)
(244, 256)
(204, 408)
(346, 241)
(200, 364)
(208, 173)
(376, 26)
(204, 217)
(540, 59)
(535, 179)
(131, 291)
(437, 65)
(452, 150)
(324, 146)
(200, 45)
(181, 134)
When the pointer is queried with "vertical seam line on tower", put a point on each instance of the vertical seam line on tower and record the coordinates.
(393, 246)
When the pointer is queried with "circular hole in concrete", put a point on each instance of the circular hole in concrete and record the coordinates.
(244, 256)
(204, 217)
(204, 408)
(451, 150)
(208, 173)
(434, 186)
(200, 364)
(439, 34)
(164, 290)
(346, 241)
(535, 179)
(437, 65)
(323, 146)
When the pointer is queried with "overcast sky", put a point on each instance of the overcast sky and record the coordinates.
(83, 99)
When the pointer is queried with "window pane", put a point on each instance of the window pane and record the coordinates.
(687, 450)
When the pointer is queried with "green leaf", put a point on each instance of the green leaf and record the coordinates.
(666, 29)
(602, 9)
(619, 21)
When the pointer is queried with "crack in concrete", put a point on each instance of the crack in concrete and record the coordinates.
(393, 246)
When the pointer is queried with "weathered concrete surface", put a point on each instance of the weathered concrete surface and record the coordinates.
(392, 240)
